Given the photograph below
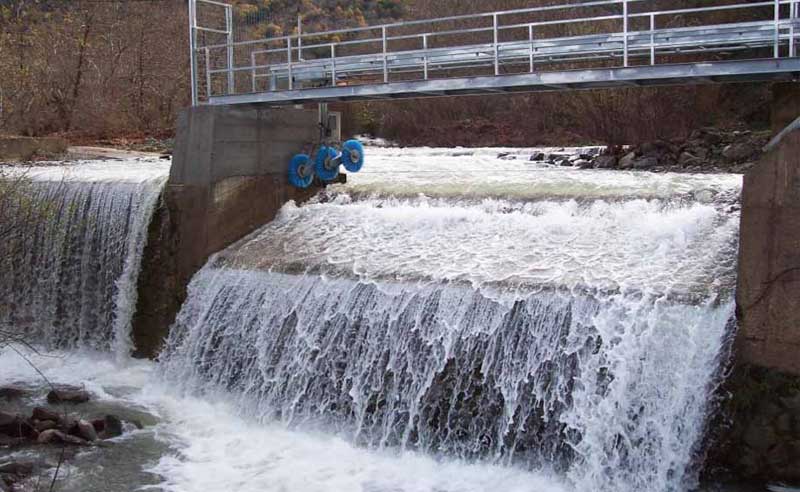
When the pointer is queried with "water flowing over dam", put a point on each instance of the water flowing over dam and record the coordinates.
(473, 308)
(72, 281)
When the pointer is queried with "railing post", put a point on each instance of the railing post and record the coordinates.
(625, 32)
(530, 49)
(777, 28)
(253, 71)
(299, 38)
(333, 65)
(496, 46)
(193, 49)
(385, 60)
(652, 39)
(792, 19)
(425, 56)
(208, 73)
(229, 29)
(289, 62)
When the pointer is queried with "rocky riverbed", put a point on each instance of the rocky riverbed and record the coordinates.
(61, 431)
(706, 150)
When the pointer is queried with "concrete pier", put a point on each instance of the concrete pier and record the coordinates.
(228, 177)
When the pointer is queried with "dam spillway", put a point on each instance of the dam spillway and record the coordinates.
(473, 308)
(71, 279)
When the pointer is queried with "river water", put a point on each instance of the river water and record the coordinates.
(447, 321)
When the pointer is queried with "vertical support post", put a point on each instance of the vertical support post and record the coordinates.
(299, 38)
(625, 32)
(425, 56)
(777, 28)
(652, 39)
(289, 61)
(530, 48)
(253, 71)
(385, 60)
(333, 65)
(324, 123)
(496, 46)
(193, 48)
(208, 73)
(792, 19)
(229, 29)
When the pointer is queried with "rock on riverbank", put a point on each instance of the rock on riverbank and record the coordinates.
(707, 150)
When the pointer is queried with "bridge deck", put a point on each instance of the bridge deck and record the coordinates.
(525, 53)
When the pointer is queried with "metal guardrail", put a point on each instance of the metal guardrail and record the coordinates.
(392, 59)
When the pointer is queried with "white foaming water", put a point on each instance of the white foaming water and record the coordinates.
(478, 173)
(215, 449)
(483, 310)
(636, 245)
(72, 277)
(468, 324)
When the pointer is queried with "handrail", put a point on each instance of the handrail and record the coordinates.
(740, 6)
(292, 47)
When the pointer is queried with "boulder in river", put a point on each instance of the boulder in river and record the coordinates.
(68, 394)
(84, 430)
(55, 436)
(41, 413)
(605, 161)
(14, 426)
(627, 161)
(112, 427)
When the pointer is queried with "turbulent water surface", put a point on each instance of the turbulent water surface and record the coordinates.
(463, 306)
(449, 320)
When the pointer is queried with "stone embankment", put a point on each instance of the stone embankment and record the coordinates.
(54, 425)
(707, 150)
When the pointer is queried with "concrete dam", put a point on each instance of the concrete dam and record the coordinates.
(442, 320)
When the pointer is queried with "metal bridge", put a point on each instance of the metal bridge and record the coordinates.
(574, 45)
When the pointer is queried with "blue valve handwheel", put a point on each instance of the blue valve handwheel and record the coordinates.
(353, 155)
(301, 172)
(326, 166)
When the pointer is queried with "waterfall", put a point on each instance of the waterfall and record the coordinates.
(70, 281)
(562, 321)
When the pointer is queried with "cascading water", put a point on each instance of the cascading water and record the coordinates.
(561, 321)
(71, 280)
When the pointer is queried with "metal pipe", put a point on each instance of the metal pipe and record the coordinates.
(425, 56)
(777, 29)
(652, 39)
(253, 73)
(530, 51)
(299, 38)
(496, 46)
(289, 61)
(208, 74)
(229, 27)
(193, 49)
(385, 60)
(625, 29)
(793, 19)
(333, 64)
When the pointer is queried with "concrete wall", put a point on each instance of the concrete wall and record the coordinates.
(228, 178)
(768, 292)
(756, 435)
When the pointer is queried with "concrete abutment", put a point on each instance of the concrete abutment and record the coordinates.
(228, 177)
